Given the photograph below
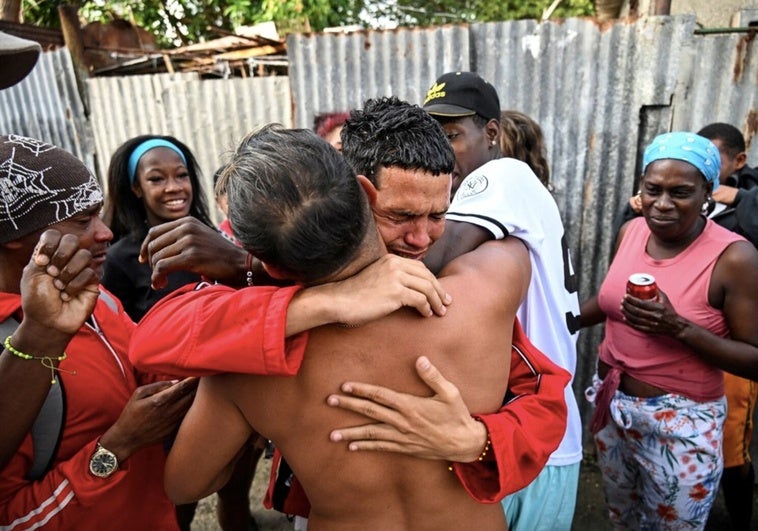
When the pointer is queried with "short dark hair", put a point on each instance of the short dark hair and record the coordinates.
(731, 138)
(124, 211)
(295, 203)
(389, 132)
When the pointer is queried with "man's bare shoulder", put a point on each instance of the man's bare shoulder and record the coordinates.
(500, 265)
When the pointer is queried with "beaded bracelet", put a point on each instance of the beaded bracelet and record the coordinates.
(481, 457)
(249, 269)
(46, 361)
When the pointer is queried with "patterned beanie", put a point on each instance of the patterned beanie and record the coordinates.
(40, 185)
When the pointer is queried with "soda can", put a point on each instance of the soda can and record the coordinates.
(642, 286)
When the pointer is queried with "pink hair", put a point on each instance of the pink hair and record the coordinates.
(325, 123)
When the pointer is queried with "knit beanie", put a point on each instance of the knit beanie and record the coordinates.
(40, 185)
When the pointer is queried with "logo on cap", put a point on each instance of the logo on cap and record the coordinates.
(437, 91)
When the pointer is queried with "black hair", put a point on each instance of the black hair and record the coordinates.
(389, 132)
(124, 211)
(295, 203)
(731, 138)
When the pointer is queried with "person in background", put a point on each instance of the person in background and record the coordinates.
(659, 389)
(82, 431)
(734, 206)
(288, 186)
(222, 202)
(329, 127)
(500, 197)
(151, 180)
(521, 139)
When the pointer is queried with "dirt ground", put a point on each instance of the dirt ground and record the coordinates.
(590, 507)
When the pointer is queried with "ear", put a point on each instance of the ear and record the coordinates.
(368, 188)
(492, 131)
(740, 160)
(708, 189)
(137, 189)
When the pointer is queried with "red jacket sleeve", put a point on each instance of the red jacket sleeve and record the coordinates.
(198, 331)
(525, 431)
(68, 497)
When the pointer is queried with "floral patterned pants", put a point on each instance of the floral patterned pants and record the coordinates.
(661, 461)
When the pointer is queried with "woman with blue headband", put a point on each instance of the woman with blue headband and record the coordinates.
(659, 388)
(151, 180)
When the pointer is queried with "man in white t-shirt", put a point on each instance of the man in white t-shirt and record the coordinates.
(498, 197)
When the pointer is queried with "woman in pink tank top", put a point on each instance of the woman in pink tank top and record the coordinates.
(658, 392)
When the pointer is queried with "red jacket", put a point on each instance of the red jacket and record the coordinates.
(182, 333)
(68, 496)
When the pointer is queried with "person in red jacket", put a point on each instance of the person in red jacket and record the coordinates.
(65, 343)
(287, 186)
(523, 433)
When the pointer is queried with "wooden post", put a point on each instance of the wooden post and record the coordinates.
(10, 10)
(662, 7)
(72, 37)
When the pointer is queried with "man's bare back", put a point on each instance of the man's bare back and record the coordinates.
(359, 490)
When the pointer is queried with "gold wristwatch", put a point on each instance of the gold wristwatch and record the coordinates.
(103, 462)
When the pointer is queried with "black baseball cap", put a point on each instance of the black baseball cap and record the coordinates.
(462, 94)
(18, 57)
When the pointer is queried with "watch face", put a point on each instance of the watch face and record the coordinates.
(103, 464)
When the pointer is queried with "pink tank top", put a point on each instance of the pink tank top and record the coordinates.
(658, 360)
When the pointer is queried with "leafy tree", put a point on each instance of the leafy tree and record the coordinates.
(435, 12)
(178, 22)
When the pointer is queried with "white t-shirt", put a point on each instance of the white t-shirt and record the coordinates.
(505, 197)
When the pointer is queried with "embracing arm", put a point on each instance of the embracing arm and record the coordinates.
(200, 462)
(523, 433)
(257, 330)
(519, 449)
(441, 427)
(458, 238)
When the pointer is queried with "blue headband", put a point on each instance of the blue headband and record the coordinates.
(689, 147)
(143, 148)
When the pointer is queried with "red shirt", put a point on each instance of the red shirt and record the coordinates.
(219, 329)
(68, 496)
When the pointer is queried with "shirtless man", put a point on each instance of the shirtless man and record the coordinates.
(287, 185)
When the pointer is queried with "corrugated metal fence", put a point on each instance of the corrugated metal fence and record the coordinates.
(600, 92)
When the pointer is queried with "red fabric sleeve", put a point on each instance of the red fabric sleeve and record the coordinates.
(213, 329)
(525, 431)
(68, 497)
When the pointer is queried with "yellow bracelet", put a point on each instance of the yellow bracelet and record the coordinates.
(481, 457)
(46, 361)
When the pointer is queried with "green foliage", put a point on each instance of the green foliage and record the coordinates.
(435, 12)
(178, 22)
